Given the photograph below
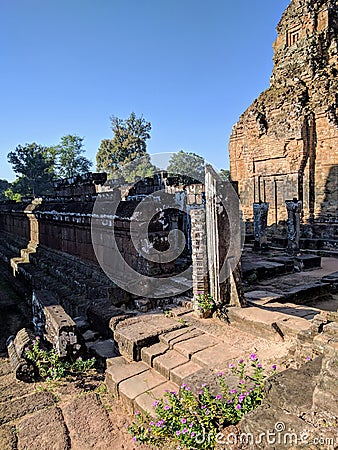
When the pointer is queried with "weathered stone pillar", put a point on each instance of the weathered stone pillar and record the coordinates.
(55, 326)
(260, 225)
(199, 251)
(294, 209)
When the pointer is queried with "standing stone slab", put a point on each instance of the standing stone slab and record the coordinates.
(260, 225)
(294, 209)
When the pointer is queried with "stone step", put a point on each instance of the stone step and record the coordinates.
(275, 323)
(135, 384)
(306, 293)
(132, 335)
(262, 270)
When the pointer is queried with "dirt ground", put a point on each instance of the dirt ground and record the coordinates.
(77, 415)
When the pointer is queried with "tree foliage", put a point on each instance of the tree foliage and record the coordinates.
(69, 159)
(187, 167)
(128, 144)
(225, 174)
(4, 186)
(34, 167)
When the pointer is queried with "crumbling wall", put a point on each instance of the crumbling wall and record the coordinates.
(285, 144)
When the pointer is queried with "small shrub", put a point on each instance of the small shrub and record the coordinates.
(186, 419)
(204, 302)
(51, 367)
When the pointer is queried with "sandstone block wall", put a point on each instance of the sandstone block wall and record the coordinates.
(285, 145)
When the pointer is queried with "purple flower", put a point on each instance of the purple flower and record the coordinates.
(156, 402)
(160, 423)
(192, 434)
(167, 407)
(203, 407)
(204, 385)
(151, 423)
(183, 385)
(134, 439)
(259, 366)
(242, 382)
(233, 391)
(187, 388)
(241, 361)
(137, 413)
(274, 367)
(174, 392)
(308, 358)
(185, 430)
(183, 420)
(229, 402)
(191, 425)
(238, 406)
(178, 432)
(207, 412)
(253, 357)
(220, 374)
(231, 366)
(218, 397)
(201, 392)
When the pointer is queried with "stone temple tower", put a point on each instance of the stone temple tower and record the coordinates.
(285, 145)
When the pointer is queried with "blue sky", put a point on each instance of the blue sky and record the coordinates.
(191, 67)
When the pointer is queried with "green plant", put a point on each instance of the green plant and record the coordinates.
(51, 366)
(182, 321)
(192, 421)
(204, 302)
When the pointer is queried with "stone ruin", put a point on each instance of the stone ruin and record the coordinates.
(284, 161)
(284, 145)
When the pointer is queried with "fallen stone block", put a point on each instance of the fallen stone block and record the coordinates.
(23, 369)
(292, 390)
(269, 425)
(39, 431)
(55, 326)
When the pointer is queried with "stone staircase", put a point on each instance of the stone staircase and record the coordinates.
(159, 353)
(74, 282)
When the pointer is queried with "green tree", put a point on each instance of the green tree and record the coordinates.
(139, 167)
(128, 144)
(69, 157)
(4, 186)
(187, 167)
(34, 168)
(225, 174)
